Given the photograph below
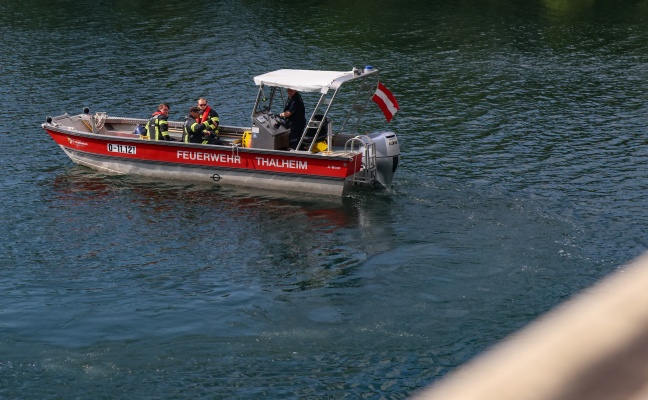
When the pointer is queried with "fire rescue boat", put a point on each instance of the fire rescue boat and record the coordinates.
(332, 156)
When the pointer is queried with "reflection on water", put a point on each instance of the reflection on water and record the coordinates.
(307, 242)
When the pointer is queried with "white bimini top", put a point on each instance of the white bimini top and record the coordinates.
(305, 80)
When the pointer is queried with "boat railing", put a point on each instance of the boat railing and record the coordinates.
(367, 83)
(367, 173)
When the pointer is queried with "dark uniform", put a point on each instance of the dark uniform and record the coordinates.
(157, 128)
(193, 132)
(297, 120)
(210, 118)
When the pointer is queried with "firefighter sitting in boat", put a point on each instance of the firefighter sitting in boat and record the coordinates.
(209, 117)
(157, 128)
(195, 132)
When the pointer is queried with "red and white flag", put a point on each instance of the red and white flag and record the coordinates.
(386, 101)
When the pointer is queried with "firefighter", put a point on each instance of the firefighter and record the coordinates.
(295, 115)
(157, 128)
(209, 117)
(195, 132)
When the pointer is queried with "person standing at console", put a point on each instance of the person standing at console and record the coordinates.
(295, 115)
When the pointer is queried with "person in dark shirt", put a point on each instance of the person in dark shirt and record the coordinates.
(295, 115)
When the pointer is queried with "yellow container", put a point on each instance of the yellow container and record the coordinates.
(247, 139)
(320, 146)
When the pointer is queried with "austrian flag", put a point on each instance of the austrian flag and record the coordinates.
(386, 101)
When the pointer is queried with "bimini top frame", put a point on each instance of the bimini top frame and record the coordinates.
(322, 82)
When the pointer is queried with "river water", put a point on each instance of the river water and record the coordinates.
(522, 182)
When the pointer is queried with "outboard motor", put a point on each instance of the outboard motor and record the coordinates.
(387, 156)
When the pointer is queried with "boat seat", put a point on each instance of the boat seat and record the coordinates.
(87, 122)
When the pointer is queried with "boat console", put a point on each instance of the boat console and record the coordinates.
(269, 132)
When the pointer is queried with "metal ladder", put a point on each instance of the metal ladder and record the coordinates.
(366, 87)
(324, 102)
(367, 173)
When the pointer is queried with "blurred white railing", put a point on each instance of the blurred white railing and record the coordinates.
(592, 347)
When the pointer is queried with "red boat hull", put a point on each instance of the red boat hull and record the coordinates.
(269, 169)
